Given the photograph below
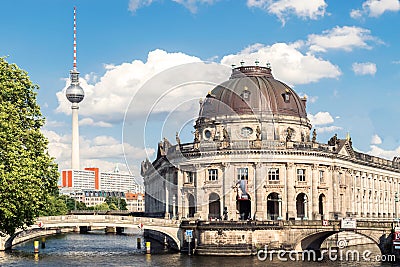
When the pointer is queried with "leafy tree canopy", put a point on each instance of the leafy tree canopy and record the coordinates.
(28, 175)
(116, 203)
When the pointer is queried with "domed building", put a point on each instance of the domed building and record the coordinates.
(254, 156)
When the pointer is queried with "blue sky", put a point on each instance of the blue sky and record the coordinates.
(342, 54)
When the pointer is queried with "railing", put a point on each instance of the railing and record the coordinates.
(107, 219)
(363, 224)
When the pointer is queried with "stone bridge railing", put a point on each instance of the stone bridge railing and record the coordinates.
(106, 219)
(299, 224)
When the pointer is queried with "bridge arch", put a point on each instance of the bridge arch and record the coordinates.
(172, 234)
(313, 241)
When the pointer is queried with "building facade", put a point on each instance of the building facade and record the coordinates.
(93, 179)
(254, 155)
(135, 202)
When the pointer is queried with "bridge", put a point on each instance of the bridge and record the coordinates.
(82, 223)
(213, 237)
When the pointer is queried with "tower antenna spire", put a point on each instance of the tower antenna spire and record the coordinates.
(75, 95)
(74, 38)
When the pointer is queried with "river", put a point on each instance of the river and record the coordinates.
(99, 249)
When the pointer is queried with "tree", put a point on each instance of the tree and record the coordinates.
(28, 175)
(101, 206)
(118, 202)
(55, 206)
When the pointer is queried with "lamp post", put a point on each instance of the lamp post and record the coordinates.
(173, 206)
(396, 199)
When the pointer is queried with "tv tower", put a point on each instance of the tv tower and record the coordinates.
(75, 95)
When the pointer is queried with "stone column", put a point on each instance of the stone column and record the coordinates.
(166, 200)
(328, 211)
(256, 202)
(314, 192)
(200, 210)
(335, 185)
(230, 198)
(290, 200)
(179, 189)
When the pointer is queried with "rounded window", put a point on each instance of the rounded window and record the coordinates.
(246, 131)
(207, 134)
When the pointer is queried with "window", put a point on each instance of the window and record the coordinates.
(321, 177)
(245, 94)
(189, 177)
(246, 131)
(207, 134)
(287, 97)
(243, 173)
(301, 175)
(212, 174)
(273, 174)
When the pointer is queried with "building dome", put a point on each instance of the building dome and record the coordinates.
(253, 90)
(253, 105)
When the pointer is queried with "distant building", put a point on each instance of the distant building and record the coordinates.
(79, 179)
(96, 197)
(135, 202)
(93, 179)
(113, 181)
(91, 186)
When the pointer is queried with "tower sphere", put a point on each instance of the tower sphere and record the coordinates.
(75, 93)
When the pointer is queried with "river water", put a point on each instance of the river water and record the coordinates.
(99, 249)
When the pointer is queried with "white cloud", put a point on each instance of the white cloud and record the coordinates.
(192, 5)
(387, 154)
(327, 129)
(54, 124)
(376, 140)
(356, 14)
(91, 122)
(288, 63)
(136, 4)
(305, 9)
(102, 151)
(341, 38)
(323, 118)
(320, 118)
(375, 8)
(108, 99)
(156, 83)
(366, 68)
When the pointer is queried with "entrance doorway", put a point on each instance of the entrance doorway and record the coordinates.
(301, 202)
(321, 201)
(214, 206)
(244, 208)
(273, 206)
(192, 206)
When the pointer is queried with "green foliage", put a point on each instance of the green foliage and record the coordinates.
(28, 175)
(73, 204)
(115, 202)
(102, 206)
(55, 206)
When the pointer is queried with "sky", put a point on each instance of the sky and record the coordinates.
(144, 65)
